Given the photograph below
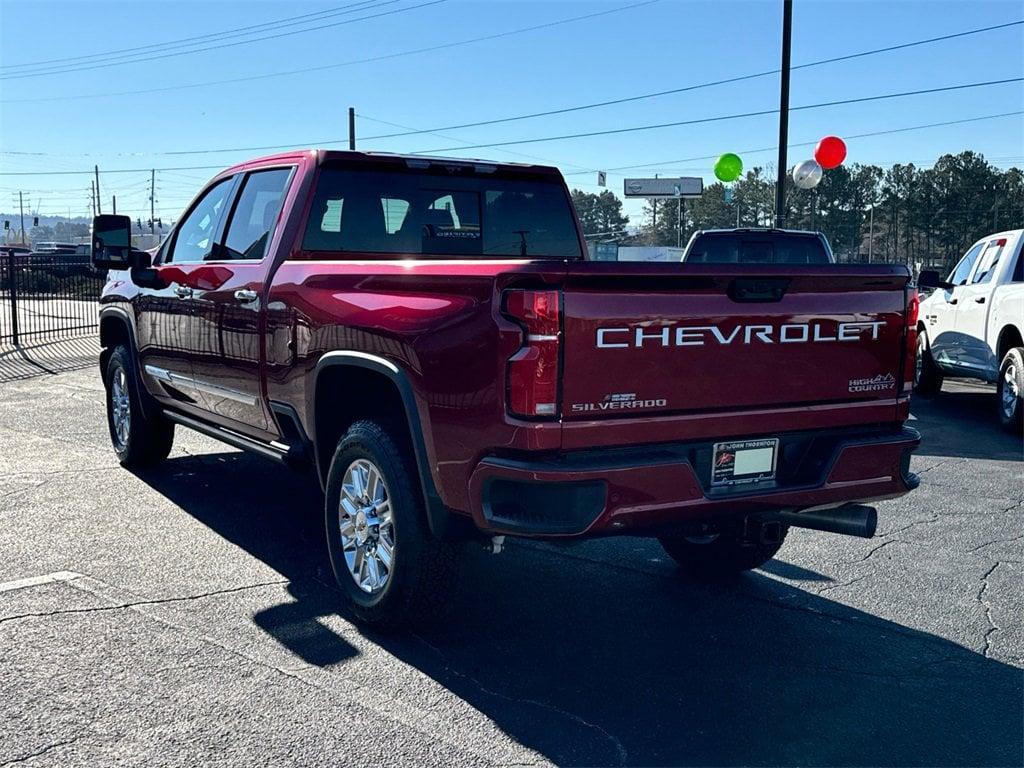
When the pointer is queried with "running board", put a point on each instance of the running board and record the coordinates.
(275, 451)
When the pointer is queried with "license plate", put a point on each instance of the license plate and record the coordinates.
(744, 461)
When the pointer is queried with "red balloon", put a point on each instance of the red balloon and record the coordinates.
(830, 152)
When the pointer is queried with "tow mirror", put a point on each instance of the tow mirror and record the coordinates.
(929, 278)
(112, 244)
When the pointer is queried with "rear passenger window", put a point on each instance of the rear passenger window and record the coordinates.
(255, 214)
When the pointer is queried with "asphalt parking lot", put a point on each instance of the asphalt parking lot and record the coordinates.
(182, 617)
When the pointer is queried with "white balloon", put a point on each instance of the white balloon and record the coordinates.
(807, 175)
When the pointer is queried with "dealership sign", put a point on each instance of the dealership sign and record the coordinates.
(684, 186)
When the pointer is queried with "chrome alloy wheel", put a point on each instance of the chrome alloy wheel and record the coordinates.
(1010, 391)
(120, 407)
(367, 532)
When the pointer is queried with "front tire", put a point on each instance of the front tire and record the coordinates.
(139, 440)
(1010, 390)
(927, 375)
(385, 559)
(719, 556)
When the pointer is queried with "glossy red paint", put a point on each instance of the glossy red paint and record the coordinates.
(659, 496)
(441, 324)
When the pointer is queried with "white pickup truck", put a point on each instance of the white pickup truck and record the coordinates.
(972, 325)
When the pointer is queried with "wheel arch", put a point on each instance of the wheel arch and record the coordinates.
(385, 392)
(1009, 337)
(115, 328)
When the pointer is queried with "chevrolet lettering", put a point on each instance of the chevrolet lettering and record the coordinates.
(667, 335)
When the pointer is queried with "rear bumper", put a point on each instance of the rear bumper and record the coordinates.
(659, 488)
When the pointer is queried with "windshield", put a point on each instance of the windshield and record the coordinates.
(756, 248)
(430, 213)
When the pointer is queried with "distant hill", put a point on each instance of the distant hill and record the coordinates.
(44, 221)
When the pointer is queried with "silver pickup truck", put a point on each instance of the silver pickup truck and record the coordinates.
(973, 323)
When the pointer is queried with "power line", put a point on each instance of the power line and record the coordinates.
(617, 168)
(22, 76)
(564, 110)
(722, 118)
(698, 86)
(465, 141)
(371, 59)
(811, 143)
(116, 170)
(288, 21)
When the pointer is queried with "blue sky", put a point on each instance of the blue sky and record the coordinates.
(645, 48)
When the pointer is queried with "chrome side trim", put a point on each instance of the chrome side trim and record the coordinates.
(159, 373)
(190, 382)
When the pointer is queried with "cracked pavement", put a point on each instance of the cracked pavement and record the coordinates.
(190, 622)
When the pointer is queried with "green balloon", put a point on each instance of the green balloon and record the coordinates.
(729, 167)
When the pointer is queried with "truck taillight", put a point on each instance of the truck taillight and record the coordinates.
(910, 339)
(533, 370)
(913, 307)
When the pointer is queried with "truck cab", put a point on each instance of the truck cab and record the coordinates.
(972, 324)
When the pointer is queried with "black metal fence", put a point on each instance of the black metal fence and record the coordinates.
(47, 296)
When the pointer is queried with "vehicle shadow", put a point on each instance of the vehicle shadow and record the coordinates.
(592, 663)
(964, 407)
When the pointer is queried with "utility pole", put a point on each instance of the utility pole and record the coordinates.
(679, 223)
(21, 205)
(99, 207)
(787, 40)
(352, 128)
(152, 201)
(654, 213)
(113, 202)
(871, 234)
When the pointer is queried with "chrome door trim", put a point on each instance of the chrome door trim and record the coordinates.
(190, 382)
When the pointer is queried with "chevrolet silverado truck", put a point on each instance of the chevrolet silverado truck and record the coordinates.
(427, 338)
(972, 325)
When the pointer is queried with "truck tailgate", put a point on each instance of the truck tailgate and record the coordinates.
(666, 339)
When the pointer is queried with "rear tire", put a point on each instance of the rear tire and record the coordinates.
(927, 375)
(1010, 390)
(139, 440)
(724, 555)
(386, 561)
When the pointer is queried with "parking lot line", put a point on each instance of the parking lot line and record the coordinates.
(35, 581)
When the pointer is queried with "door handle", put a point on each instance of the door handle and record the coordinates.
(183, 292)
(980, 299)
(954, 301)
(245, 296)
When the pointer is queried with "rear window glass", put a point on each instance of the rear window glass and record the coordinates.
(427, 213)
(743, 248)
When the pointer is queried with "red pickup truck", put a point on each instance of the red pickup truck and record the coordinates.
(427, 336)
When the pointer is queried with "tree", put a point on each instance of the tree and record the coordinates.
(600, 214)
(900, 215)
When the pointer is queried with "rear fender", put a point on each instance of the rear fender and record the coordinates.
(441, 520)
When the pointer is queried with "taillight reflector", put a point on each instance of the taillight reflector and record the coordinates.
(913, 307)
(533, 370)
